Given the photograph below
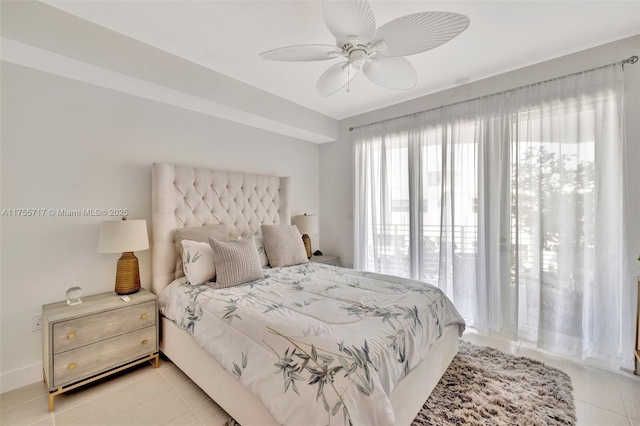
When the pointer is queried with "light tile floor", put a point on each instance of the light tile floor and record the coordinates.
(604, 395)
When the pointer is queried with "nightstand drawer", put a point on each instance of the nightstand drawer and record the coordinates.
(79, 363)
(72, 334)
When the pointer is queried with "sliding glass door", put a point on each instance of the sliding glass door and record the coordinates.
(512, 204)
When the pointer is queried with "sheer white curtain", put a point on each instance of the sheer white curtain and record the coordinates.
(513, 204)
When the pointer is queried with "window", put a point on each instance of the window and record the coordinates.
(495, 200)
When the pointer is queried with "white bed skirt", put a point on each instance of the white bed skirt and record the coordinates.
(223, 387)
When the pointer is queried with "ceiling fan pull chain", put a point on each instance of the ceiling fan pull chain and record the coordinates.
(348, 78)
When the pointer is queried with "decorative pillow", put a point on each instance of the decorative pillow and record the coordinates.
(261, 252)
(200, 234)
(283, 245)
(198, 263)
(237, 262)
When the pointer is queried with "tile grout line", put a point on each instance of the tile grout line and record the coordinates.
(206, 401)
(202, 403)
(39, 420)
(180, 396)
(46, 394)
(26, 402)
(625, 414)
(578, 361)
(623, 402)
(53, 420)
(604, 409)
(96, 397)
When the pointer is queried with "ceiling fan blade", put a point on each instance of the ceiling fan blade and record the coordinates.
(335, 78)
(346, 19)
(419, 32)
(392, 73)
(301, 53)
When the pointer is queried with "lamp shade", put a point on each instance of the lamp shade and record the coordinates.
(307, 224)
(120, 236)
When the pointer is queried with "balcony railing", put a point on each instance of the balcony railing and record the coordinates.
(543, 297)
(391, 254)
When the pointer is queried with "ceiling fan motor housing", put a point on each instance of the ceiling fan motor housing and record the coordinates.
(358, 56)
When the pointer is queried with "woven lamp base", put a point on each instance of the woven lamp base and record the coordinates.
(307, 244)
(127, 274)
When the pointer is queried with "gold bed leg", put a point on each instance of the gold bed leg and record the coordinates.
(44, 378)
(51, 402)
(157, 360)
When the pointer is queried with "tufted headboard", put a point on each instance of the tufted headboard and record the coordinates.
(185, 196)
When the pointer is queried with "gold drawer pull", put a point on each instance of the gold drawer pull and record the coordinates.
(143, 316)
(72, 366)
(72, 335)
(144, 342)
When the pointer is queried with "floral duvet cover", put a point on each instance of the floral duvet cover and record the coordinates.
(317, 344)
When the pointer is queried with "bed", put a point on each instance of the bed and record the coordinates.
(184, 197)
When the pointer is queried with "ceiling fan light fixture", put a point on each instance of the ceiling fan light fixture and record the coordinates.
(358, 57)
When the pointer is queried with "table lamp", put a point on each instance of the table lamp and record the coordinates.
(125, 236)
(307, 224)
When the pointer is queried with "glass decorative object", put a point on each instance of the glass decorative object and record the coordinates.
(73, 296)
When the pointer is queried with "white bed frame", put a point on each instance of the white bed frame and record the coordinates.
(186, 196)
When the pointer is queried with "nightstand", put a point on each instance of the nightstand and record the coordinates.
(327, 259)
(102, 336)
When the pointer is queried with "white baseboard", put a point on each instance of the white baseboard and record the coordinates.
(15, 379)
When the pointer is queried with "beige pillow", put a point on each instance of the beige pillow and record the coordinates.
(200, 234)
(237, 262)
(283, 245)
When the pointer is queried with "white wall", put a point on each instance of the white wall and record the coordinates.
(336, 158)
(67, 144)
(40, 36)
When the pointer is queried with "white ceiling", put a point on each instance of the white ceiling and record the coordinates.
(227, 36)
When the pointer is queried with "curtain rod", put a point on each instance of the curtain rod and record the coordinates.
(631, 60)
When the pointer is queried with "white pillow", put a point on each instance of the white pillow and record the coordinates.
(198, 264)
(283, 245)
(200, 234)
(237, 262)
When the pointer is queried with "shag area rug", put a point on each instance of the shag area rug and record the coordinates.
(484, 386)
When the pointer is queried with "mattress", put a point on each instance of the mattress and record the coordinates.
(317, 344)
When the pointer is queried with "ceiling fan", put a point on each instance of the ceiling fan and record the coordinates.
(379, 53)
